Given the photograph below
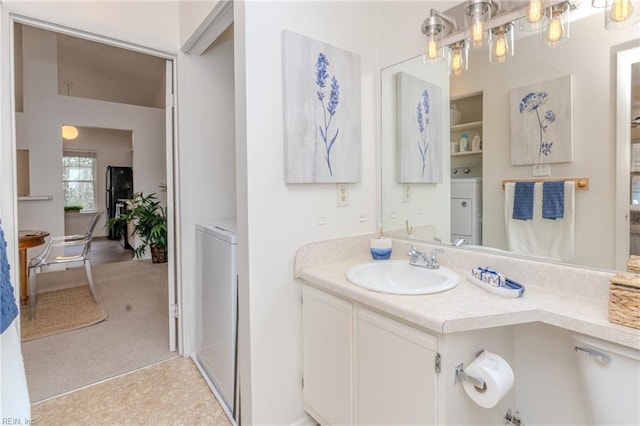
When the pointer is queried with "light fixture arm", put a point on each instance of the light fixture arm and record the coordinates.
(444, 17)
(436, 21)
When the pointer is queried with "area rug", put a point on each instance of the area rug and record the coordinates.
(60, 311)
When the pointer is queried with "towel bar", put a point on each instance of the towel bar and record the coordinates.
(581, 183)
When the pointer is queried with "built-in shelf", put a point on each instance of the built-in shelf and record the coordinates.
(466, 126)
(462, 154)
(35, 198)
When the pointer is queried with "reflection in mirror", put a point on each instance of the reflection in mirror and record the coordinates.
(424, 211)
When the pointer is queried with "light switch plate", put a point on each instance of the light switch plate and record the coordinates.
(541, 170)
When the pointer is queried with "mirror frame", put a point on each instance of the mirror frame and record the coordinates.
(624, 63)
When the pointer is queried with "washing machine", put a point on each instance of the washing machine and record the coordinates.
(466, 205)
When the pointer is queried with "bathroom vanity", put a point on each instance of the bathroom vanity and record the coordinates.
(370, 357)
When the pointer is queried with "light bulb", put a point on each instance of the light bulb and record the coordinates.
(555, 30)
(432, 49)
(456, 62)
(621, 10)
(69, 132)
(477, 33)
(500, 48)
(534, 11)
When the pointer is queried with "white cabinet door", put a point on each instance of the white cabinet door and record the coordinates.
(396, 381)
(327, 356)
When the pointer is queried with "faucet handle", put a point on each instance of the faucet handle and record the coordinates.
(433, 258)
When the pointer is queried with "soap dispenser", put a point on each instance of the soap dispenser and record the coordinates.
(464, 142)
(476, 143)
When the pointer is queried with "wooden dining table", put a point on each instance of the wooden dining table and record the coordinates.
(27, 239)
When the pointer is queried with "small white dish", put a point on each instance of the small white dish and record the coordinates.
(511, 289)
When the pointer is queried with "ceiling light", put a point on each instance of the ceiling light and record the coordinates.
(556, 32)
(477, 14)
(501, 43)
(69, 132)
(435, 27)
(621, 14)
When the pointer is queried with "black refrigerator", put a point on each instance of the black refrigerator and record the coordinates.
(119, 187)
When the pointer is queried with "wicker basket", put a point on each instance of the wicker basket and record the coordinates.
(633, 265)
(624, 300)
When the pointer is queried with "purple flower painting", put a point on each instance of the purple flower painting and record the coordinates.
(419, 127)
(541, 123)
(329, 110)
(321, 95)
(533, 103)
(422, 120)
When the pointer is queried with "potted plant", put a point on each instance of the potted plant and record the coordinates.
(149, 221)
(72, 209)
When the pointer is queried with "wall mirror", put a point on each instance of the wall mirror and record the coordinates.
(423, 212)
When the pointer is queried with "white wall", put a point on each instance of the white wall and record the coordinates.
(589, 57)
(207, 157)
(192, 14)
(278, 217)
(153, 24)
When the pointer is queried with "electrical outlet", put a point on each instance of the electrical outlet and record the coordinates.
(541, 170)
(406, 194)
(343, 195)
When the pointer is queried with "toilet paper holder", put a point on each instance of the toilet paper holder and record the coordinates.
(461, 375)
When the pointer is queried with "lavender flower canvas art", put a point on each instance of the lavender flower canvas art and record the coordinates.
(419, 152)
(321, 111)
(541, 123)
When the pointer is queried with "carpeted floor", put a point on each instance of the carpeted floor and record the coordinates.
(134, 335)
(169, 393)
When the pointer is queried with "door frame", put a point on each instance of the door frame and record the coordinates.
(172, 160)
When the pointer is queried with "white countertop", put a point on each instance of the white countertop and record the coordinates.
(467, 307)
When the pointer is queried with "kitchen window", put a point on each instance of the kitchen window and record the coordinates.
(79, 179)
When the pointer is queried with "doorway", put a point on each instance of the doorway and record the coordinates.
(55, 87)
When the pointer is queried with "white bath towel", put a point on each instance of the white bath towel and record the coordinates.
(548, 238)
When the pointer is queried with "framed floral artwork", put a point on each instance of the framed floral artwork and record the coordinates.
(541, 121)
(322, 135)
(419, 127)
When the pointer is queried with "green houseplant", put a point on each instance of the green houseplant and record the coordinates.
(72, 209)
(149, 221)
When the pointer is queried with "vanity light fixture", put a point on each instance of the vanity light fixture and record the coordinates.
(459, 58)
(477, 14)
(69, 132)
(501, 43)
(556, 32)
(435, 27)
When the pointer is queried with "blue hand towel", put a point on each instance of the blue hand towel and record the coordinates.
(553, 200)
(8, 307)
(523, 201)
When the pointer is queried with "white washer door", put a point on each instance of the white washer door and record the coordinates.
(461, 216)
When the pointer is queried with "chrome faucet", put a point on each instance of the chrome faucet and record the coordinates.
(418, 258)
(459, 242)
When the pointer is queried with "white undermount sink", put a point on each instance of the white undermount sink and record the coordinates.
(399, 277)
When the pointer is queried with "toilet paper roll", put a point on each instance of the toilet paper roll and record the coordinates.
(497, 375)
